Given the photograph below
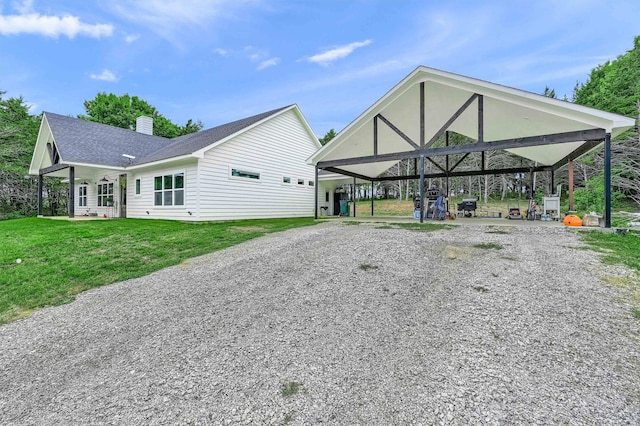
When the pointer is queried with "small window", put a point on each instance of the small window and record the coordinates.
(286, 179)
(245, 174)
(326, 196)
(311, 183)
(137, 186)
(300, 181)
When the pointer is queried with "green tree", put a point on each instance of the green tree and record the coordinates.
(613, 86)
(550, 93)
(122, 111)
(327, 137)
(18, 191)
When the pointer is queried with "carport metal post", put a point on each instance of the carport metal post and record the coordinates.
(371, 198)
(316, 198)
(422, 189)
(40, 185)
(422, 141)
(607, 180)
(353, 196)
(72, 191)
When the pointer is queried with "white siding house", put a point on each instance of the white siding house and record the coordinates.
(251, 168)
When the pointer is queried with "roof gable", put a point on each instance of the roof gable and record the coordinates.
(508, 114)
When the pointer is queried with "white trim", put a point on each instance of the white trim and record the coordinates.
(159, 162)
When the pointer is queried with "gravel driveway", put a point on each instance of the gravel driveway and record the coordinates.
(361, 324)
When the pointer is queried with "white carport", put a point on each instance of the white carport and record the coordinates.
(414, 118)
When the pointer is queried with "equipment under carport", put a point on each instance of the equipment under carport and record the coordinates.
(466, 206)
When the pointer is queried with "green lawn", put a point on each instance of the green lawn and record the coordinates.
(60, 259)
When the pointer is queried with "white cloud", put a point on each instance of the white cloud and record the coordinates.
(268, 63)
(105, 75)
(336, 53)
(131, 38)
(221, 52)
(31, 22)
(25, 7)
(170, 19)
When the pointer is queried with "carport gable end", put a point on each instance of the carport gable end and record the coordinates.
(429, 103)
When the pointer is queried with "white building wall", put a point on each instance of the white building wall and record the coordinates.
(275, 149)
(142, 205)
(92, 208)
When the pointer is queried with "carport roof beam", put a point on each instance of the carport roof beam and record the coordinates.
(558, 138)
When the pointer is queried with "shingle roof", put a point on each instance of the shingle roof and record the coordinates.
(188, 144)
(81, 141)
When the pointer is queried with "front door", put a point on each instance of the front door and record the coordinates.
(123, 196)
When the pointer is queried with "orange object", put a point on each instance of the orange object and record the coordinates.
(572, 220)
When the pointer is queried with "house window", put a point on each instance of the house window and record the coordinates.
(245, 174)
(326, 197)
(82, 196)
(168, 190)
(300, 181)
(105, 194)
(311, 183)
(137, 186)
(286, 179)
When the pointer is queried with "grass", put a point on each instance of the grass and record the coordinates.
(424, 227)
(60, 259)
(289, 389)
(624, 249)
(488, 246)
(366, 267)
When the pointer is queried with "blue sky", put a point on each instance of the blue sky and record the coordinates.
(221, 60)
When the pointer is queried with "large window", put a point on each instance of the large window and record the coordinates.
(82, 196)
(105, 194)
(168, 190)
